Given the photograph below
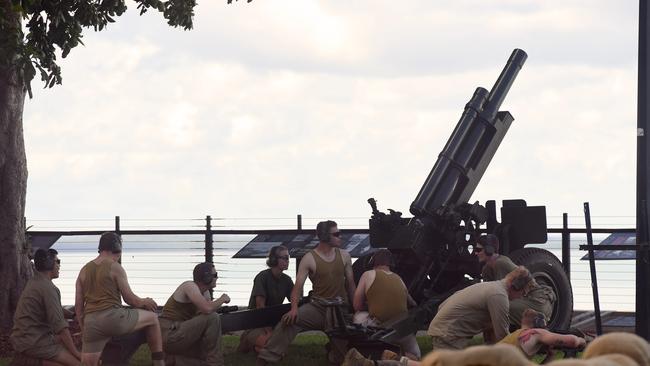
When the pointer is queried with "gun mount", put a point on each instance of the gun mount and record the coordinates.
(432, 249)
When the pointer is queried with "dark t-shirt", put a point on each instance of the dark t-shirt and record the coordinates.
(274, 290)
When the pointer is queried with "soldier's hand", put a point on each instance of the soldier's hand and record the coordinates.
(225, 298)
(149, 304)
(290, 317)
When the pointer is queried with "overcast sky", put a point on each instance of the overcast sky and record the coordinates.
(280, 107)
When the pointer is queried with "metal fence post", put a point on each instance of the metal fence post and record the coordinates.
(299, 222)
(566, 246)
(117, 225)
(209, 248)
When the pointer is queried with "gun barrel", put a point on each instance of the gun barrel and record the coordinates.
(504, 82)
(471, 146)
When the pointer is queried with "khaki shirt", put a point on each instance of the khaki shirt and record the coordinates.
(39, 314)
(472, 310)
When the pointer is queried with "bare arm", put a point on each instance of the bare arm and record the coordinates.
(307, 264)
(409, 300)
(119, 275)
(205, 306)
(560, 340)
(349, 275)
(359, 302)
(260, 302)
(66, 339)
(79, 298)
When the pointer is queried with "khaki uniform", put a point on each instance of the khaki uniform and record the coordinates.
(188, 333)
(468, 312)
(387, 300)
(328, 283)
(274, 290)
(540, 297)
(104, 316)
(38, 318)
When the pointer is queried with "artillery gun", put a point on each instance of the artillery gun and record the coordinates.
(433, 249)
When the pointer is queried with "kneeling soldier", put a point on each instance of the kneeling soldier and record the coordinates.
(190, 327)
(40, 330)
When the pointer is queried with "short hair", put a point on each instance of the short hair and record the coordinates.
(519, 279)
(533, 319)
(382, 257)
(44, 259)
(202, 273)
(323, 230)
(272, 259)
(110, 242)
(489, 240)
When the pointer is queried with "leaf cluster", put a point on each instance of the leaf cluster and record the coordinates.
(58, 24)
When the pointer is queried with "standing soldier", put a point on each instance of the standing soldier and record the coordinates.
(537, 297)
(270, 287)
(330, 270)
(40, 330)
(99, 309)
(189, 322)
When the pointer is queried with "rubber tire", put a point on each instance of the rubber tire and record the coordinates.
(547, 269)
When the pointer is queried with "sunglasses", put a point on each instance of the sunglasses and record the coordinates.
(285, 257)
(336, 234)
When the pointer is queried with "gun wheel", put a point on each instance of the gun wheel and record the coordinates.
(547, 270)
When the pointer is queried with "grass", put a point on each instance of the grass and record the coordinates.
(306, 349)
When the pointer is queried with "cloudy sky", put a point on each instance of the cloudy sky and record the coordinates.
(283, 107)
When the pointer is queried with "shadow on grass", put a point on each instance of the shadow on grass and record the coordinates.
(306, 349)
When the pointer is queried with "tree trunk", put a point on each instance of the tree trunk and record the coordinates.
(15, 268)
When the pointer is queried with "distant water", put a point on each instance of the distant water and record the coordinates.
(156, 264)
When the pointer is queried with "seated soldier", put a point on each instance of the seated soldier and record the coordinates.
(532, 336)
(40, 330)
(100, 286)
(190, 327)
(330, 270)
(384, 295)
(538, 297)
(270, 287)
(476, 309)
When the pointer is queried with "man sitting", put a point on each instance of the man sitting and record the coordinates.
(384, 295)
(186, 333)
(270, 287)
(40, 330)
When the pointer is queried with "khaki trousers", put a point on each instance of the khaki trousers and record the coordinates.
(197, 338)
(311, 316)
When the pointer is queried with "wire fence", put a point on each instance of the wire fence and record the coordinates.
(159, 254)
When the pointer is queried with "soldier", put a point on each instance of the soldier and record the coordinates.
(40, 330)
(532, 336)
(190, 327)
(100, 284)
(384, 295)
(537, 297)
(475, 309)
(330, 270)
(270, 287)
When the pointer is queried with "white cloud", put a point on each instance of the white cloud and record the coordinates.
(278, 108)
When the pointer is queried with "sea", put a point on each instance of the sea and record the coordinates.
(157, 264)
